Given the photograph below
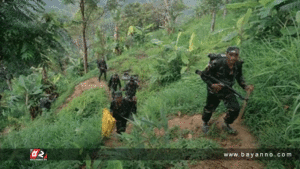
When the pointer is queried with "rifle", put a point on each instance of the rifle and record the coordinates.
(218, 81)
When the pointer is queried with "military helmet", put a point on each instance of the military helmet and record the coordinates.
(131, 78)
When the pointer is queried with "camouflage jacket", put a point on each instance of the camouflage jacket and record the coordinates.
(114, 82)
(131, 89)
(220, 70)
(121, 110)
(102, 65)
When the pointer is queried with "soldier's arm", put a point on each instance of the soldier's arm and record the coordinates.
(111, 107)
(211, 67)
(119, 83)
(239, 77)
(110, 81)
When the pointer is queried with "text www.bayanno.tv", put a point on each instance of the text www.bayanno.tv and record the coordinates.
(258, 155)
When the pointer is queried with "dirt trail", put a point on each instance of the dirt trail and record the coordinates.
(91, 84)
(243, 139)
(83, 86)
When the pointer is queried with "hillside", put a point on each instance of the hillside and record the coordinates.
(168, 101)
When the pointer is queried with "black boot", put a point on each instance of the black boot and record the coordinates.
(229, 129)
(205, 128)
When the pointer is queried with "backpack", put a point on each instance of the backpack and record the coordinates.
(214, 56)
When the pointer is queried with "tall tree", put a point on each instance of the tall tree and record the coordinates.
(24, 37)
(86, 8)
(173, 9)
(225, 9)
(213, 6)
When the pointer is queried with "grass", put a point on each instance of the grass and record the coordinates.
(70, 129)
(272, 66)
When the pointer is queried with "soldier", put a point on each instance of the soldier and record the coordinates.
(131, 88)
(45, 103)
(226, 69)
(113, 83)
(102, 67)
(119, 110)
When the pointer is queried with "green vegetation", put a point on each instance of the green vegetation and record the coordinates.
(165, 60)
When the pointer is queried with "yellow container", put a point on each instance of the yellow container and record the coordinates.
(108, 123)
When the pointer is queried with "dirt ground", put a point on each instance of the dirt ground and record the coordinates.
(243, 139)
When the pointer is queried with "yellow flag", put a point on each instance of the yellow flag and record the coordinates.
(108, 123)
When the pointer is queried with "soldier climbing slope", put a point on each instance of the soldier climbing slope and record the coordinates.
(130, 89)
(226, 70)
(102, 67)
(119, 110)
(113, 83)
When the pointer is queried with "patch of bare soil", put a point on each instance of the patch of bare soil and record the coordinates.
(243, 140)
(83, 86)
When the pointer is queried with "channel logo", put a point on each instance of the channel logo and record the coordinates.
(38, 154)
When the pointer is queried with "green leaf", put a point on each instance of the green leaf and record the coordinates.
(177, 39)
(96, 164)
(220, 30)
(148, 27)
(149, 122)
(239, 23)
(290, 30)
(130, 30)
(183, 69)
(248, 4)
(156, 41)
(265, 2)
(298, 17)
(115, 164)
(184, 59)
(247, 16)
(172, 58)
(230, 36)
(191, 47)
(88, 162)
(39, 91)
(22, 82)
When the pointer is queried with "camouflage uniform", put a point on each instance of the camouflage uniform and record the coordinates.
(220, 70)
(131, 88)
(120, 112)
(103, 67)
(45, 103)
(113, 83)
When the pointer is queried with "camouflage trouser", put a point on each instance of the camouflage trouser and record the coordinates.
(121, 125)
(102, 72)
(213, 102)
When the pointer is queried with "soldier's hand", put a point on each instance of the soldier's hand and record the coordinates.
(249, 88)
(217, 87)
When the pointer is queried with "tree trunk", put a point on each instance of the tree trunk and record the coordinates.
(8, 81)
(44, 74)
(116, 33)
(212, 28)
(225, 9)
(83, 34)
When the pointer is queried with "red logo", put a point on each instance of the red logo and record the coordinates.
(38, 154)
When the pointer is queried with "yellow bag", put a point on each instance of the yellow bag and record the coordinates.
(108, 123)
